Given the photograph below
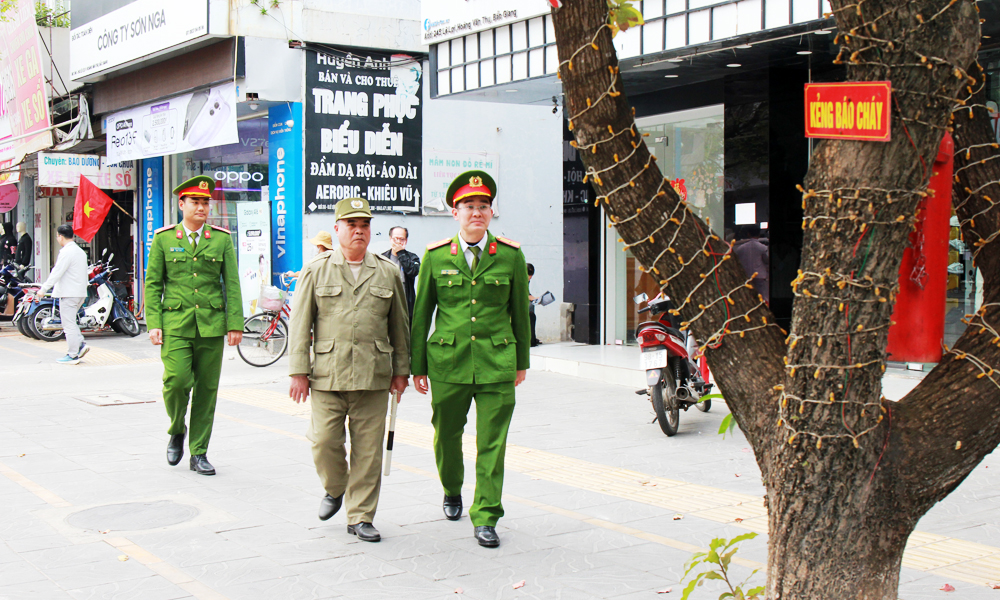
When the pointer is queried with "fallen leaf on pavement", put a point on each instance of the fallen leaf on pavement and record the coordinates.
(737, 474)
(666, 591)
(739, 520)
(996, 586)
(947, 588)
(105, 531)
(678, 517)
(519, 585)
(123, 557)
(20, 455)
(459, 590)
(746, 450)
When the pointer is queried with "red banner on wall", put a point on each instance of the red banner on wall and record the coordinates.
(849, 111)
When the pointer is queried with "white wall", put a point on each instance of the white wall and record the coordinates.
(393, 25)
(528, 140)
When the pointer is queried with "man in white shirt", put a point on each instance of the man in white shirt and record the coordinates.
(69, 278)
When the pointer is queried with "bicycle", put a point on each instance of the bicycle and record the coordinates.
(265, 334)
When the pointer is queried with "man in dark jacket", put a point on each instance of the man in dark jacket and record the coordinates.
(408, 263)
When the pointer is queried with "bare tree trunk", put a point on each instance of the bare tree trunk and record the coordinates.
(811, 404)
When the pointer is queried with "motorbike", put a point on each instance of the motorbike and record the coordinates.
(12, 280)
(674, 380)
(102, 309)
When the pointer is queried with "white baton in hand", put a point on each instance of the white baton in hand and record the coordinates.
(392, 431)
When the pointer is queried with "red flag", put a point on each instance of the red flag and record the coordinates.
(92, 205)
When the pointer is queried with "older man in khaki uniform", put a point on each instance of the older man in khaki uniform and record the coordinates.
(350, 308)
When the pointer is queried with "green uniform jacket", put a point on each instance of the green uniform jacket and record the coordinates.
(481, 331)
(184, 285)
(359, 329)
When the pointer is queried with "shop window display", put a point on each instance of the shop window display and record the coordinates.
(689, 148)
(240, 171)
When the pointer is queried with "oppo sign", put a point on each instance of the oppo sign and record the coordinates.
(238, 177)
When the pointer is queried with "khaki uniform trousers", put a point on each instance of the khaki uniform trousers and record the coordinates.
(364, 412)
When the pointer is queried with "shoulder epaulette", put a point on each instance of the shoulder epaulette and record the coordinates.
(510, 243)
(321, 256)
(438, 243)
(164, 228)
(217, 228)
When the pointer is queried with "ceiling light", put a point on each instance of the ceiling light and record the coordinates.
(823, 32)
(804, 52)
(734, 65)
(671, 76)
(675, 60)
(511, 91)
(744, 46)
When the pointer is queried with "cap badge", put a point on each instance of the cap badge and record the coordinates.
(357, 204)
(202, 185)
(476, 181)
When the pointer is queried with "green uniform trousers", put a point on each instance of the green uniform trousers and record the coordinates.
(192, 363)
(364, 412)
(494, 406)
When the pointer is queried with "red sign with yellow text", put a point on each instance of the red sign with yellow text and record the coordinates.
(849, 111)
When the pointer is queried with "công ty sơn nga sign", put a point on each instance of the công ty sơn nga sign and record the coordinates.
(363, 131)
(858, 110)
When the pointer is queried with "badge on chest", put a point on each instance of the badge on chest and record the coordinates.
(177, 249)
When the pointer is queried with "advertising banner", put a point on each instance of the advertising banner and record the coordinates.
(442, 167)
(849, 111)
(8, 197)
(64, 170)
(364, 132)
(187, 122)
(24, 107)
(134, 31)
(285, 187)
(446, 19)
(253, 224)
(152, 203)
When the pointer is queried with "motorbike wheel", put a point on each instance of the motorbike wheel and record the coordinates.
(22, 326)
(665, 402)
(35, 323)
(259, 348)
(704, 405)
(127, 325)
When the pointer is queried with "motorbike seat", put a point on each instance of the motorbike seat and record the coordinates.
(656, 325)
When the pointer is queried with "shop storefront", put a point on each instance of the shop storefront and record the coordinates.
(689, 148)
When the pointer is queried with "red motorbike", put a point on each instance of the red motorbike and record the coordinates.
(675, 381)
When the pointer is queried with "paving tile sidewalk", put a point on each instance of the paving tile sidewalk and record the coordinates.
(255, 534)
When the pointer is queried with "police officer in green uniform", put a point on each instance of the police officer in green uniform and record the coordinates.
(192, 301)
(478, 284)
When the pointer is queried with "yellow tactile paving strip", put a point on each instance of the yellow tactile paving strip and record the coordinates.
(942, 555)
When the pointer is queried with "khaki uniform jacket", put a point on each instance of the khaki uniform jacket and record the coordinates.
(192, 291)
(360, 331)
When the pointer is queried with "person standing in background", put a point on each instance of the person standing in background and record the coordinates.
(408, 263)
(68, 282)
(755, 257)
(531, 307)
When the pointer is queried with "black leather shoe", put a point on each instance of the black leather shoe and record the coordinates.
(366, 532)
(487, 537)
(175, 449)
(201, 466)
(329, 506)
(452, 507)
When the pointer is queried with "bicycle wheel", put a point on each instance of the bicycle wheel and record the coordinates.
(265, 339)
